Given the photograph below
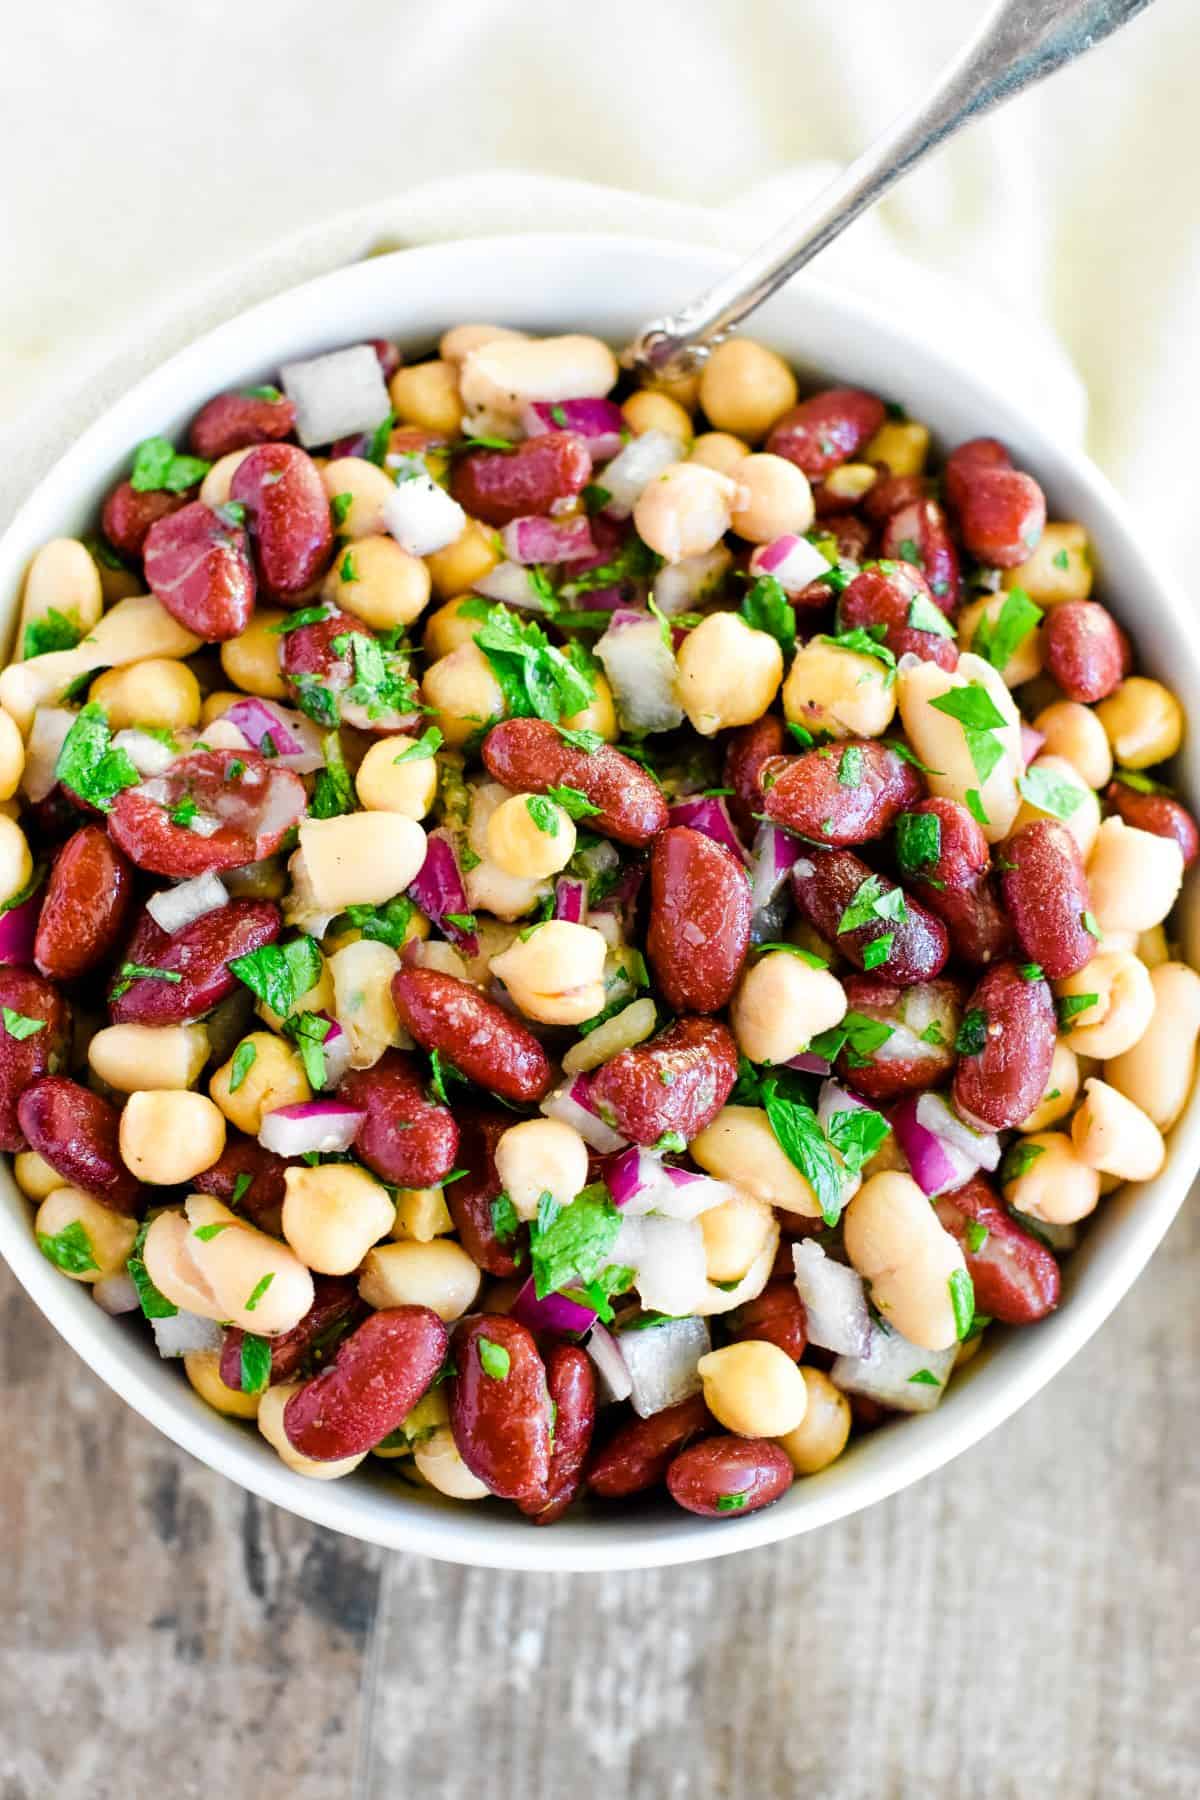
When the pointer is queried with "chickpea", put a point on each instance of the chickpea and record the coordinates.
(463, 692)
(12, 756)
(850, 481)
(600, 714)
(718, 450)
(634, 1025)
(686, 510)
(1123, 1007)
(34, 1176)
(781, 1003)
(1113, 1135)
(1074, 734)
(777, 499)
(646, 411)
(143, 1057)
(379, 583)
(368, 487)
(421, 1215)
(1026, 661)
(159, 692)
(823, 1432)
(753, 1388)
(729, 673)
(902, 444)
(499, 379)
(530, 836)
(61, 578)
(745, 388)
(1059, 569)
(1054, 1185)
(270, 1423)
(942, 744)
(1062, 1086)
(455, 569)
(16, 863)
(1156, 1073)
(167, 1135)
(251, 660)
(735, 1233)
(1144, 722)
(360, 859)
(740, 1147)
(1133, 876)
(447, 629)
(439, 1275)
(1083, 822)
(839, 691)
(109, 1234)
(217, 485)
(362, 984)
(203, 1370)
(439, 1463)
(255, 1281)
(442, 957)
(541, 1156)
(333, 1214)
(426, 394)
(489, 889)
(397, 776)
(274, 1077)
(556, 975)
(894, 1240)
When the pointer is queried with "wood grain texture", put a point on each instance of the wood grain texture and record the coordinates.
(1023, 1623)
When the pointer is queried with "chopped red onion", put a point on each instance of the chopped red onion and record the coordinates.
(116, 1294)
(1031, 742)
(611, 1369)
(771, 858)
(835, 1300)
(335, 1046)
(980, 1147)
(438, 890)
(640, 1183)
(542, 540)
(176, 907)
(793, 561)
(937, 1167)
(642, 672)
(183, 1332)
(419, 514)
(637, 465)
(681, 586)
(808, 1064)
(570, 900)
(709, 814)
(598, 422)
(884, 1372)
(295, 740)
(553, 1312)
(661, 1360)
(336, 395)
(573, 1104)
(833, 1098)
(320, 1125)
(18, 929)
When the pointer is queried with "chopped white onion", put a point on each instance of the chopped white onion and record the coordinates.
(793, 561)
(320, 1125)
(642, 1183)
(642, 672)
(47, 735)
(980, 1147)
(512, 584)
(421, 516)
(635, 468)
(893, 1372)
(116, 1294)
(661, 1362)
(336, 395)
(148, 754)
(668, 1255)
(591, 1128)
(835, 1301)
(611, 1368)
(176, 907)
(679, 587)
(184, 1332)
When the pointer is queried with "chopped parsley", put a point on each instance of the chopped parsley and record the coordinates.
(307, 615)
(918, 840)
(873, 900)
(767, 608)
(1043, 789)
(997, 640)
(494, 1359)
(505, 1223)
(574, 802)
(878, 950)
(53, 631)
(259, 1289)
(810, 957)
(383, 924)
(536, 678)
(206, 1233)
(334, 791)
(426, 746)
(542, 812)
(730, 1502)
(1019, 1158)
(859, 1035)
(569, 1245)
(69, 1249)
(129, 972)
(972, 1033)
(339, 507)
(1091, 924)
(925, 1378)
(255, 1363)
(857, 1135)
(1069, 1006)
(279, 974)
(89, 765)
(798, 1133)
(244, 1059)
(1030, 971)
(1061, 559)
(587, 741)
(850, 767)
(975, 710)
(308, 1032)
(975, 807)
(241, 1187)
(933, 1034)
(976, 1235)
(18, 1026)
(923, 615)
(153, 1304)
(158, 468)
(185, 812)
(962, 1299)
(865, 642)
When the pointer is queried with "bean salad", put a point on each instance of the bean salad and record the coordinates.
(574, 937)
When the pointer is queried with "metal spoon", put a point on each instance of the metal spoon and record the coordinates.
(1021, 43)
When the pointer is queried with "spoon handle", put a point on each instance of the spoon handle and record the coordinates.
(1021, 42)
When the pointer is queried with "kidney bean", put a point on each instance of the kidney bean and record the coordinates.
(501, 1420)
(852, 536)
(746, 750)
(75, 1130)
(957, 888)
(699, 929)
(728, 1477)
(200, 953)
(896, 1067)
(825, 886)
(25, 1060)
(235, 420)
(498, 486)
(920, 534)
(1046, 895)
(470, 1198)
(49, 822)
(884, 594)
(777, 1317)
(1015, 1278)
(378, 1375)
(197, 566)
(805, 793)
(128, 515)
(335, 1303)
(1160, 814)
(890, 493)
(677, 1082)
(261, 1198)
(529, 756)
(1083, 651)
(965, 461)
(1000, 1084)
(288, 513)
(471, 1031)
(639, 1452)
(87, 903)
(255, 804)
(980, 932)
(571, 1381)
(407, 1138)
(321, 676)
(1001, 515)
(826, 429)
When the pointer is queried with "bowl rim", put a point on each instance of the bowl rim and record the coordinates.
(896, 1456)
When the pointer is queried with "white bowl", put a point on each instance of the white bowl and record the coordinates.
(610, 285)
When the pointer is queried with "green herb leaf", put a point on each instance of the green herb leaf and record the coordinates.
(876, 953)
(307, 615)
(244, 1059)
(308, 1032)
(1069, 1006)
(980, 718)
(798, 1133)
(925, 1378)
(570, 1245)
(1018, 1159)
(587, 741)
(975, 807)
(595, 498)
(256, 1363)
(241, 1187)
(850, 767)
(53, 631)
(257, 1292)
(767, 608)
(265, 392)
(923, 615)
(280, 974)
(972, 1033)
(962, 1299)
(334, 792)
(864, 642)
(505, 1223)
(426, 746)
(1091, 924)
(1030, 971)
(157, 468)
(730, 1502)
(537, 679)
(808, 956)
(339, 506)
(154, 1305)
(69, 1249)
(1140, 783)
(998, 640)
(873, 900)
(383, 924)
(1061, 560)
(918, 840)
(573, 801)
(18, 1026)
(494, 1359)
(933, 1034)
(88, 764)
(976, 1235)
(129, 972)
(1045, 790)
(542, 812)
(857, 1034)
(376, 447)
(857, 1135)
(207, 1232)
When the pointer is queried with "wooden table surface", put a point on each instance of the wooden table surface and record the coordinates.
(1023, 1623)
